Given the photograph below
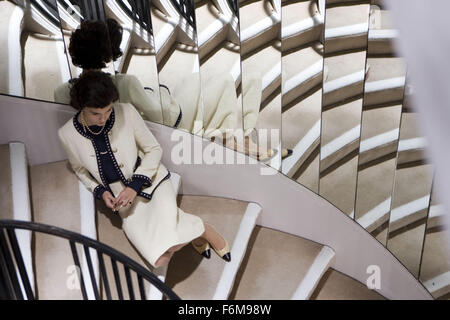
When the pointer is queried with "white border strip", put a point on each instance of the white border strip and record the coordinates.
(88, 229)
(14, 59)
(211, 30)
(412, 144)
(239, 247)
(373, 215)
(153, 292)
(21, 205)
(343, 82)
(301, 26)
(315, 272)
(271, 75)
(385, 34)
(385, 84)
(354, 29)
(339, 142)
(300, 78)
(409, 208)
(439, 285)
(299, 150)
(259, 27)
(378, 140)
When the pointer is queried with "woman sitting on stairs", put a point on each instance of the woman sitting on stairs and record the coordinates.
(116, 157)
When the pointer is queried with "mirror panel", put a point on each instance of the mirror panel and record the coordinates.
(302, 64)
(435, 264)
(72, 13)
(411, 195)
(220, 69)
(380, 127)
(260, 29)
(346, 29)
(137, 64)
(32, 57)
(174, 30)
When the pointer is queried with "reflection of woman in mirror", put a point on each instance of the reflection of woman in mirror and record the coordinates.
(116, 157)
(90, 49)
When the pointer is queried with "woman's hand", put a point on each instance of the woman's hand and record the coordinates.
(109, 199)
(125, 198)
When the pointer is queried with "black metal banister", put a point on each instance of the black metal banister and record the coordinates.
(8, 274)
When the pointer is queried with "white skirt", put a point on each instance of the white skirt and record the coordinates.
(155, 225)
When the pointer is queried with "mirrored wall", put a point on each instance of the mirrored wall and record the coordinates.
(345, 46)
(302, 66)
(220, 68)
(260, 29)
(175, 37)
(132, 44)
(380, 127)
(312, 88)
(32, 56)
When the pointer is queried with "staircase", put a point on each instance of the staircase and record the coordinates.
(258, 269)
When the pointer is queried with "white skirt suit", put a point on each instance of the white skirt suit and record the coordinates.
(153, 222)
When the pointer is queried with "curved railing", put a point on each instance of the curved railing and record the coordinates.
(187, 10)
(140, 12)
(11, 260)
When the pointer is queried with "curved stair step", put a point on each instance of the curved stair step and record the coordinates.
(193, 277)
(385, 81)
(337, 286)
(59, 199)
(302, 23)
(382, 33)
(274, 266)
(346, 27)
(110, 232)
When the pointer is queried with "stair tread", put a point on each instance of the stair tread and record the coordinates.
(337, 286)
(297, 11)
(274, 265)
(190, 275)
(53, 187)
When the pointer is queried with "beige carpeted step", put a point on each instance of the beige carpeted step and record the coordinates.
(45, 66)
(345, 77)
(382, 33)
(251, 15)
(189, 274)
(412, 144)
(301, 23)
(60, 200)
(207, 19)
(346, 27)
(385, 81)
(110, 232)
(274, 266)
(435, 265)
(302, 71)
(337, 286)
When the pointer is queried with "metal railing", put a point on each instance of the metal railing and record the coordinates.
(140, 12)
(186, 9)
(48, 9)
(234, 6)
(90, 9)
(12, 264)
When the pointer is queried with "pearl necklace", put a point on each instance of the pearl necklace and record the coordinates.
(85, 126)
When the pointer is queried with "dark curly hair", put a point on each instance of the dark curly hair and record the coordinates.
(95, 43)
(93, 89)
